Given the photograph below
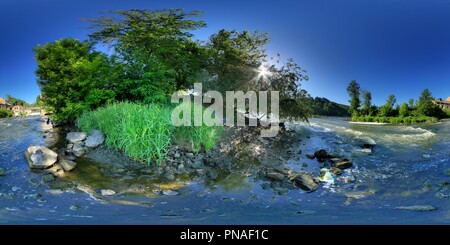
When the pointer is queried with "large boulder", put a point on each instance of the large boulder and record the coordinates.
(67, 165)
(74, 137)
(78, 150)
(342, 163)
(95, 139)
(321, 155)
(40, 157)
(305, 182)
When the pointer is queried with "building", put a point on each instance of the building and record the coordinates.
(444, 104)
(3, 104)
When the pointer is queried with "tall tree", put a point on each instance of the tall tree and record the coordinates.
(234, 59)
(411, 103)
(425, 105)
(152, 46)
(387, 110)
(353, 90)
(367, 102)
(391, 100)
(72, 77)
(404, 110)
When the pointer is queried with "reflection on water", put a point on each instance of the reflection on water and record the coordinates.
(404, 168)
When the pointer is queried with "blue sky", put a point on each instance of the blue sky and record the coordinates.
(388, 46)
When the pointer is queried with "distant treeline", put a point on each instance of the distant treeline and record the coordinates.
(325, 107)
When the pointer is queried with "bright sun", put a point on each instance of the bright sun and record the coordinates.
(263, 71)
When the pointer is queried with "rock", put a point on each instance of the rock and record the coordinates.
(275, 176)
(305, 182)
(71, 158)
(368, 146)
(54, 191)
(349, 179)
(417, 208)
(67, 165)
(181, 167)
(197, 163)
(78, 150)
(177, 155)
(343, 163)
(69, 146)
(40, 157)
(190, 155)
(321, 155)
(2, 172)
(169, 193)
(310, 156)
(335, 171)
(54, 169)
(95, 139)
(169, 176)
(108, 192)
(441, 195)
(74, 137)
(48, 178)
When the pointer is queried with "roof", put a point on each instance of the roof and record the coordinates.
(448, 99)
(2, 101)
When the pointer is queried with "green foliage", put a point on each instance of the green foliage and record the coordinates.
(153, 56)
(425, 105)
(144, 132)
(324, 107)
(143, 38)
(5, 113)
(404, 110)
(367, 105)
(391, 100)
(15, 101)
(234, 60)
(394, 120)
(72, 78)
(235, 64)
(411, 103)
(353, 90)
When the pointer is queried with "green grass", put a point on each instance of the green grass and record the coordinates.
(145, 132)
(395, 120)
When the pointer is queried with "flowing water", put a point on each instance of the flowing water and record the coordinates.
(404, 168)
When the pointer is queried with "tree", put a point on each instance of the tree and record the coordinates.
(154, 48)
(353, 90)
(425, 105)
(15, 101)
(387, 109)
(72, 77)
(235, 58)
(411, 103)
(391, 100)
(404, 110)
(236, 64)
(367, 104)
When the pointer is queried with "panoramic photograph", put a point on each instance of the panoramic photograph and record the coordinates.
(197, 112)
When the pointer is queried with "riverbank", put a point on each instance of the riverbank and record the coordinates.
(395, 120)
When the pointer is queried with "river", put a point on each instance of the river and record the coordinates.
(404, 168)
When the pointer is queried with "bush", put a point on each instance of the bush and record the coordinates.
(5, 113)
(145, 132)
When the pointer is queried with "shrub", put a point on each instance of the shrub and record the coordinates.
(5, 113)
